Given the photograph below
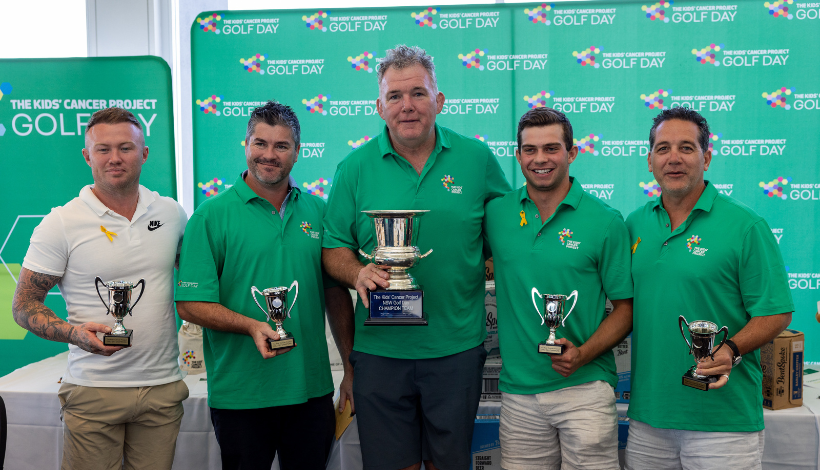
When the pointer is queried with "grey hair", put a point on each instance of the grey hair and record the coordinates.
(403, 56)
(274, 113)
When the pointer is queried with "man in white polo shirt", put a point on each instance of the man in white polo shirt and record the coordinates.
(120, 405)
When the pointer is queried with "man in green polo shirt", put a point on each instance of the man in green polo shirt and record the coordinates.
(708, 257)
(416, 387)
(557, 410)
(264, 232)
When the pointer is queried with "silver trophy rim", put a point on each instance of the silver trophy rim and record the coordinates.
(120, 285)
(274, 290)
(711, 327)
(388, 214)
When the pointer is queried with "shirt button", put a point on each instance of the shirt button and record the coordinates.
(667, 225)
(539, 234)
(273, 212)
(536, 216)
(665, 243)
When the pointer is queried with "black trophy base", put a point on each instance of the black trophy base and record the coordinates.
(118, 340)
(691, 380)
(396, 308)
(283, 343)
(551, 349)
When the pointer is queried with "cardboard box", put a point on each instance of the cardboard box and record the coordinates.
(489, 384)
(623, 365)
(491, 310)
(486, 446)
(782, 364)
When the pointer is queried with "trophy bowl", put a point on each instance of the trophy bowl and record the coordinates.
(119, 305)
(276, 301)
(702, 334)
(396, 234)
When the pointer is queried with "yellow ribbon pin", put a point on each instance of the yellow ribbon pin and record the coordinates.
(108, 233)
(523, 218)
(635, 246)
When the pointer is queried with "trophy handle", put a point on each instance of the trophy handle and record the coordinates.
(534, 292)
(97, 282)
(426, 254)
(254, 290)
(141, 281)
(725, 331)
(681, 321)
(574, 293)
(370, 257)
(296, 285)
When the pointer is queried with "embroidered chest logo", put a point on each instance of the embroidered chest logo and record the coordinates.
(448, 183)
(692, 245)
(565, 237)
(305, 226)
(154, 224)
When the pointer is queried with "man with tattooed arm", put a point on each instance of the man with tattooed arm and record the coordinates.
(121, 406)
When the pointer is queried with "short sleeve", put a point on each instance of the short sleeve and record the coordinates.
(615, 264)
(764, 286)
(340, 216)
(183, 221)
(200, 261)
(327, 281)
(497, 184)
(48, 249)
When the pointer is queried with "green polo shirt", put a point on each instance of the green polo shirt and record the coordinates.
(593, 259)
(460, 176)
(237, 240)
(721, 265)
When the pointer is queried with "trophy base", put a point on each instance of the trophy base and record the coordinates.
(690, 379)
(283, 343)
(396, 308)
(551, 349)
(118, 340)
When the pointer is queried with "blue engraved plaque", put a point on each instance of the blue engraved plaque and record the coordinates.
(396, 307)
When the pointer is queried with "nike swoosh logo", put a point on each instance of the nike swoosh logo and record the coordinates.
(151, 229)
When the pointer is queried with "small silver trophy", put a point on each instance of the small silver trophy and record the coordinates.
(554, 316)
(276, 299)
(119, 305)
(396, 234)
(703, 340)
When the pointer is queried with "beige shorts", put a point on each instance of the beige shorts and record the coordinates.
(567, 429)
(120, 428)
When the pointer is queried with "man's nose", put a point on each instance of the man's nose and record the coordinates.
(407, 103)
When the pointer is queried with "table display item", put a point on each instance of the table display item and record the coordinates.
(555, 314)
(276, 299)
(396, 233)
(119, 305)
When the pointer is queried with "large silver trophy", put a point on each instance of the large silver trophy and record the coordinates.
(396, 234)
(554, 316)
(119, 305)
(703, 340)
(276, 299)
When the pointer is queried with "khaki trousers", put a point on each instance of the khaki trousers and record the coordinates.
(127, 428)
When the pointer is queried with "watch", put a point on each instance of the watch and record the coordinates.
(736, 357)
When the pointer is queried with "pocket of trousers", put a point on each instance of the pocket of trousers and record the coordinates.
(65, 394)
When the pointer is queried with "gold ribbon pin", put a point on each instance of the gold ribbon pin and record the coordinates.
(523, 218)
(635, 246)
(109, 233)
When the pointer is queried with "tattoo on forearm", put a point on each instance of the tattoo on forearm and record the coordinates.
(30, 311)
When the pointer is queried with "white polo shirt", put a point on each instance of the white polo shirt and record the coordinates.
(69, 243)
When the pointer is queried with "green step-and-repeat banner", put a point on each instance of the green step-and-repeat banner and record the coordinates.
(44, 107)
(750, 67)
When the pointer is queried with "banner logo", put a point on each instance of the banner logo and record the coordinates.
(655, 100)
(208, 23)
(358, 143)
(315, 105)
(5, 89)
(539, 13)
(314, 21)
(209, 188)
(655, 12)
(651, 189)
(707, 54)
(317, 188)
(779, 9)
(481, 137)
(253, 64)
(774, 188)
(360, 63)
(585, 57)
(712, 139)
(208, 105)
(538, 100)
(778, 97)
(425, 17)
(472, 60)
(586, 144)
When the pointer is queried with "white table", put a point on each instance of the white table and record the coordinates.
(35, 430)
